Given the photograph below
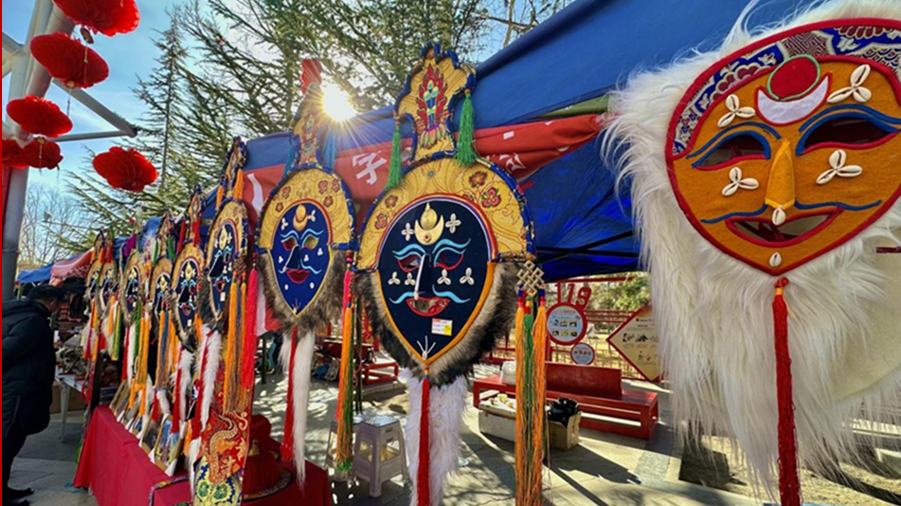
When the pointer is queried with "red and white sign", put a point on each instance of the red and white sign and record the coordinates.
(582, 354)
(566, 322)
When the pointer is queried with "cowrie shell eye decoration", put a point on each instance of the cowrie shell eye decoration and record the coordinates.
(856, 90)
(838, 168)
(737, 182)
(735, 111)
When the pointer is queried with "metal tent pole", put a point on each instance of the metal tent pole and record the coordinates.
(27, 78)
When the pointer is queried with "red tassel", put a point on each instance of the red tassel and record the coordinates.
(124, 356)
(288, 439)
(248, 354)
(195, 232)
(423, 485)
(789, 484)
(181, 236)
(198, 410)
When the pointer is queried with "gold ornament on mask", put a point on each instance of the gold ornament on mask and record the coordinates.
(429, 227)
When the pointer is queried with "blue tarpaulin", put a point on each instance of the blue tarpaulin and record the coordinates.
(35, 276)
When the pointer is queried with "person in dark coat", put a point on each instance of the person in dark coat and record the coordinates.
(29, 367)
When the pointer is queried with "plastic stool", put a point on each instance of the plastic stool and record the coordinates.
(379, 453)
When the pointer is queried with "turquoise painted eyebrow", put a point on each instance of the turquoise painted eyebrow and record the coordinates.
(763, 126)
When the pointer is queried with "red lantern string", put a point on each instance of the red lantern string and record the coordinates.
(68, 60)
(108, 17)
(41, 153)
(125, 169)
(39, 116)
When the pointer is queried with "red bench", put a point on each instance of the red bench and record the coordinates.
(606, 407)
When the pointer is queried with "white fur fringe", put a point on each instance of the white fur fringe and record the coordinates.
(446, 406)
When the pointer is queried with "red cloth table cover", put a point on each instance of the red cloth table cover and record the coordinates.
(118, 472)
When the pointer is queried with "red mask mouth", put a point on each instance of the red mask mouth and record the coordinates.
(297, 275)
(427, 306)
(795, 229)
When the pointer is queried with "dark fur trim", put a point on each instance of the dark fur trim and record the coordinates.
(494, 321)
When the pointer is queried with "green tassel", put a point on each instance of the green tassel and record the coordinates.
(466, 149)
(394, 167)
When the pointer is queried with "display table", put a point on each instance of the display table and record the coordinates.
(67, 383)
(118, 472)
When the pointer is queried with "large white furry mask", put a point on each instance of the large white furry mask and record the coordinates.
(774, 156)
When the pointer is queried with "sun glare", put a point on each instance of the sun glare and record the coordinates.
(336, 103)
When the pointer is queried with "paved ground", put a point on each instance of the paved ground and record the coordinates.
(604, 469)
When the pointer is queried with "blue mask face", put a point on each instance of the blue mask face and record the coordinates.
(186, 292)
(222, 265)
(132, 289)
(433, 269)
(300, 253)
(161, 292)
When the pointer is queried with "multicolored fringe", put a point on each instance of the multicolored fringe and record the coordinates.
(789, 483)
(344, 413)
(530, 393)
(231, 342)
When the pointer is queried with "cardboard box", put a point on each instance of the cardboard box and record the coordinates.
(501, 423)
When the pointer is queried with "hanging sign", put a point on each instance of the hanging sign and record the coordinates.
(636, 341)
(582, 354)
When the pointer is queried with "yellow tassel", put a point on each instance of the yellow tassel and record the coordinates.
(518, 338)
(219, 195)
(343, 449)
(238, 192)
(230, 363)
(539, 340)
(199, 338)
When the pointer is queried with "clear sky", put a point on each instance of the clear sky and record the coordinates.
(129, 55)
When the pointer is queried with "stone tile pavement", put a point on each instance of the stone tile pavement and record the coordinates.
(604, 470)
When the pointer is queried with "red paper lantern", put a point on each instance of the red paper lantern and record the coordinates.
(125, 169)
(67, 59)
(41, 154)
(39, 116)
(108, 17)
(12, 154)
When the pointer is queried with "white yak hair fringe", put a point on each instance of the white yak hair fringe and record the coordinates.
(213, 351)
(446, 406)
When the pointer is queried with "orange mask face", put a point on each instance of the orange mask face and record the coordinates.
(789, 147)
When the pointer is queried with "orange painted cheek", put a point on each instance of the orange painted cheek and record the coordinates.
(703, 190)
